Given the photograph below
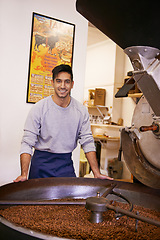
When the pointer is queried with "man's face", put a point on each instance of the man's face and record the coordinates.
(63, 84)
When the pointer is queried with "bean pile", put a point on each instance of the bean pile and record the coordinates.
(71, 221)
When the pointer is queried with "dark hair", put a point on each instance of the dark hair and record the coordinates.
(62, 68)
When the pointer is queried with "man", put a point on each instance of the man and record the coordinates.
(53, 127)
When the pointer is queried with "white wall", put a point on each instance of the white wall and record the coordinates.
(100, 68)
(106, 67)
(15, 32)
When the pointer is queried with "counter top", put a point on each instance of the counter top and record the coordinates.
(103, 137)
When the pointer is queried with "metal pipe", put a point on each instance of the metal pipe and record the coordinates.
(51, 202)
(109, 191)
(133, 215)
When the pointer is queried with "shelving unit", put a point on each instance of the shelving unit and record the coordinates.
(105, 126)
(135, 96)
(103, 131)
(98, 111)
(106, 132)
(105, 138)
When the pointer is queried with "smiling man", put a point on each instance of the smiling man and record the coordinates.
(53, 128)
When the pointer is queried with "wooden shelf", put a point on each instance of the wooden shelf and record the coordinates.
(105, 125)
(93, 107)
(102, 137)
(135, 95)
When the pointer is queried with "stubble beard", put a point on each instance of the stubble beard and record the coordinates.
(61, 95)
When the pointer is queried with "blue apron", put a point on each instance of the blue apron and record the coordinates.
(45, 164)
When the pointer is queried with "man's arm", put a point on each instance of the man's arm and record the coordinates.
(25, 159)
(91, 157)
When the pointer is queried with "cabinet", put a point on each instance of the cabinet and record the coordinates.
(100, 114)
(109, 137)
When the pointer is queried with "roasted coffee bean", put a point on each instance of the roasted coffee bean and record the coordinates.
(72, 221)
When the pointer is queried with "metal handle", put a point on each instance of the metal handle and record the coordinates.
(153, 127)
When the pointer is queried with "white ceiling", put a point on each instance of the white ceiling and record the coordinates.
(95, 35)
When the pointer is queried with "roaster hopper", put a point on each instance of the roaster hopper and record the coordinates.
(128, 25)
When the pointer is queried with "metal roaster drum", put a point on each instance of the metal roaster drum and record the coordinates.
(46, 189)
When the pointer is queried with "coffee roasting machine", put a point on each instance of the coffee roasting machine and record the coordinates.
(134, 26)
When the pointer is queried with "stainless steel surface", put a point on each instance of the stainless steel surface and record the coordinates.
(148, 141)
(147, 73)
(141, 149)
(137, 163)
(141, 145)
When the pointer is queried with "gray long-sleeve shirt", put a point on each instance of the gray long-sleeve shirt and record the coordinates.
(52, 128)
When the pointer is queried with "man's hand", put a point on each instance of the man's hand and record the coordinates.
(25, 159)
(91, 157)
(102, 176)
(20, 179)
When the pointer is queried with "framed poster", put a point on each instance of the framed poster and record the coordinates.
(52, 43)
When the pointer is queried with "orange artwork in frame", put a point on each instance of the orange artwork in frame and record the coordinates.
(52, 43)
